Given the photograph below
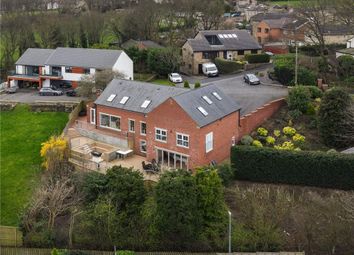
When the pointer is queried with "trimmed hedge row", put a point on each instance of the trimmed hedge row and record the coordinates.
(257, 58)
(320, 169)
(227, 66)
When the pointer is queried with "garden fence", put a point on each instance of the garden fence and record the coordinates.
(10, 236)
(35, 251)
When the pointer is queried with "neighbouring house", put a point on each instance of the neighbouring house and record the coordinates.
(348, 51)
(208, 45)
(255, 19)
(332, 34)
(47, 67)
(179, 128)
(287, 30)
(141, 45)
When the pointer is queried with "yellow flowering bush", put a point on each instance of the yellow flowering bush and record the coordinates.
(262, 131)
(270, 140)
(299, 138)
(289, 131)
(276, 133)
(285, 146)
(56, 147)
(257, 143)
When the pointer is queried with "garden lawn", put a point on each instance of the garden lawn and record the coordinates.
(22, 133)
(163, 82)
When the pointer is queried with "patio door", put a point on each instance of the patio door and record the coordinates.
(93, 116)
(171, 159)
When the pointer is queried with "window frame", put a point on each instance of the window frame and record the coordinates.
(141, 128)
(182, 136)
(209, 142)
(129, 125)
(140, 146)
(109, 127)
(156, 134)
(93, 120)
(68, 69)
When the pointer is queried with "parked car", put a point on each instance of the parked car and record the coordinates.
(175, 77)
(72, 93)
(251, 79)
(50, 92)
(210, 69)
(11, 90)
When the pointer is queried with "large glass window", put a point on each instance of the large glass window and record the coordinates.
(209, 142)
(160, 135)
(132, 126)
(182, 140)
(109, 121)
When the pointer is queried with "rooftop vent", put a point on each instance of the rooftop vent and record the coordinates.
(124, 100)
(207, 99)
(202, 110)
(146, 104)
(111, 97)
(218, 97)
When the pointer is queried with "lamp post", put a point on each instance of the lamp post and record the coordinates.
(229, 232)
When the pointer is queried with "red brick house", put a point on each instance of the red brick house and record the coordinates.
(179, 128)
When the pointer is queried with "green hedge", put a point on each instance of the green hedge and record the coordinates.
(257, 58)
(320, 169)
(227, 66)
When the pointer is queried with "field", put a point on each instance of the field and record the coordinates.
(22, 133)
(291, 3)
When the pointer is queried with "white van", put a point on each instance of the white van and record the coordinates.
(209, 69)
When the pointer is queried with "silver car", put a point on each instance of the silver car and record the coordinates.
(251, 79)
(50, 92)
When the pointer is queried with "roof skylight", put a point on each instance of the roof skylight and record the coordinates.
(218, 97)
(111, 97)
(124, 100)
(146, 104)
(202, 110)
(234, 35)
(207, 99)
(221, 36)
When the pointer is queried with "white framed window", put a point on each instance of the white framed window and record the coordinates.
(182, 140)
(93, 116)
(209, 142)
(109, 121)
(131, 124)
(143, 146)
(142, 128)
(161, 135)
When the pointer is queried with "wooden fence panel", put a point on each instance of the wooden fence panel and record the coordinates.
(10, 236)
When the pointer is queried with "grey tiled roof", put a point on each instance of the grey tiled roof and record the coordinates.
(137, 92)
(94, 58)
(244, 41)
(34, 57)
(270, 15)
(189, 100)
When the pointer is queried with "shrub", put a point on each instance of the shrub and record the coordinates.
(226, 174)
(197, 85)
(257, 58)
(293, 167)
(55, 148)
(186, 84)
(336, 121)
(270, 140)
(299, 138)
(257, 143)
(246, 140)
(299, 99)
(276, 133)
(125, 253)
(262, 131)
(305, 76)
(314, 91)
(284, 69)
(295, 114)
(227, 66)
(289, 131)
(163, 61)
(345, 66)
(285, 146)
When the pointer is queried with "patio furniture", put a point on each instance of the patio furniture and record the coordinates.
(96, 153)
(150, 167)
(123, 153)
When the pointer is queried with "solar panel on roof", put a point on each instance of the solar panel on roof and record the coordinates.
(203, 111)
(111, 97)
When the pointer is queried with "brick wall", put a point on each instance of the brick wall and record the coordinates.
(254, 119)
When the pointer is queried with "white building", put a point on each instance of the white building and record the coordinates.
(45, 67)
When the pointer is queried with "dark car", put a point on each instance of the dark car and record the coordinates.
(50, 92)
(72, 93)
(251, 79)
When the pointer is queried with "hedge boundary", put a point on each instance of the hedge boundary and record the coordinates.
(257, 58)
(319, 169)
(227, 66)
